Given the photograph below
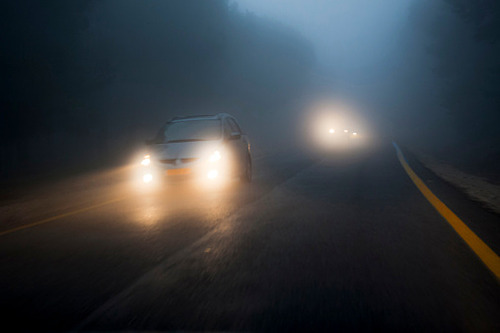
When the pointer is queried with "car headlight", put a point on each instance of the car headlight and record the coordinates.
(215, 156)
(212, 174)
(147, 178)
(146, 161)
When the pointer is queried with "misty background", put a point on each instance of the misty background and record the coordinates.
(84, 83)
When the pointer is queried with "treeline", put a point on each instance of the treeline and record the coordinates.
(467, 53)
(87, 81)
(453, 48)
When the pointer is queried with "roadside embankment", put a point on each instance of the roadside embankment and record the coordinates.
(477, 188)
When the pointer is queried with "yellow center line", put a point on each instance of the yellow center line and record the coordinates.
(487, 255)
(57, 217)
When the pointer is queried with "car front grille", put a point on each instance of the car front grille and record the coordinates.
(171, 161)
(168, 161)
(189, 160)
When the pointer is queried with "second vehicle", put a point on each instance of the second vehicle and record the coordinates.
(202, 147)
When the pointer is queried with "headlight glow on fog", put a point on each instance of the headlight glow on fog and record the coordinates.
(147, 178)
(216, 156)
(331, 124)
(212, 174)
(146, 161)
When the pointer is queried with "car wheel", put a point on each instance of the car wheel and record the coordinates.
(247, 174)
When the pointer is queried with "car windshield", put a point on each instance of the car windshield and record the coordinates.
(192, 130)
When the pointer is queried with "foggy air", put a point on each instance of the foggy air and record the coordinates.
(262, 165)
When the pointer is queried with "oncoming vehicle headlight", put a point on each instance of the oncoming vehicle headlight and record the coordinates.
(212, 174)
(146, 161)
(216, 156)
(147, 178)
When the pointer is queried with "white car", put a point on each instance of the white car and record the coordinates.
(203, 147)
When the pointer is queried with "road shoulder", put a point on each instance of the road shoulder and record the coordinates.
(477, 188)
(485, 223)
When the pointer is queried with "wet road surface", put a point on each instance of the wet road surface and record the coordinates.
(339, 241)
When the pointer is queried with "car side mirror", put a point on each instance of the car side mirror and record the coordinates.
(235, 136)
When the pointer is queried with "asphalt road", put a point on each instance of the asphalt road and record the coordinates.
(317, 242)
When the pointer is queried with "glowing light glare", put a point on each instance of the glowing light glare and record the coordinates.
(146, 160)
(212, 174)
(147, 178)
(335, 125)
(215, 156)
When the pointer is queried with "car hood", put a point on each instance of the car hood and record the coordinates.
(193, 149)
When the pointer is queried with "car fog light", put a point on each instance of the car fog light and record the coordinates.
(215, 156)
(212, 174)
(147, 178)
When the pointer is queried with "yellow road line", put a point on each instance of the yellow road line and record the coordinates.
(53, 218)
(487, 256)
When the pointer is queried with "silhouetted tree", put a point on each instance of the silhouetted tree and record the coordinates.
(85, 80)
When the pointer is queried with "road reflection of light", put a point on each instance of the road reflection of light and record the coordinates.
(206, 204)
(217, 202)
(147, 211)
(148, 216)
